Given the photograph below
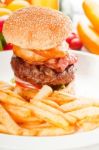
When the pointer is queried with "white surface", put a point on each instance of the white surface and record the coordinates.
(87, 84)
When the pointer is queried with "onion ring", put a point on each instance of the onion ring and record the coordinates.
(28, 55)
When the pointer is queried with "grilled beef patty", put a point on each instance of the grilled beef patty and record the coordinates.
(40, 73)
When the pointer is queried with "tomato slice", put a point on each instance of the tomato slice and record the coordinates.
(26, 86)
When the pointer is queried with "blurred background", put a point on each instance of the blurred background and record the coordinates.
(73, 9)
(83, 13)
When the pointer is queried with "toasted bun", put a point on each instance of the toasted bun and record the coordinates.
(36, 28)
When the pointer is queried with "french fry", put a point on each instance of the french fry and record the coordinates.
(32, 119)
(88, 123)
(79, 104)
(2, 83)
(51, 109)
(85, 112)
(61, 98)
(5, 86)
(3, 129)
(8, 122)
(56, 112)
(26, 93)
(50, 103)
(71, 119)
(54, 119)
(44, 112)
(11, 93)
(19, 114)
(8, 99)
(49, 131)
(17, 90)
(28, 132)
(46, 107)
(38, 125)
(44, 92)
(21, 111)
(54, 131)
(38, 104)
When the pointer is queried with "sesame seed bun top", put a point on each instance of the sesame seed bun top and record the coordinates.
(36, 28)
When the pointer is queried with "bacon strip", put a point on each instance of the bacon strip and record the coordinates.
(62, 63)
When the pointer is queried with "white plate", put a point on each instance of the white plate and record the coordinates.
(86, 83)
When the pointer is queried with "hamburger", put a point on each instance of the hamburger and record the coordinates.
(40, 52)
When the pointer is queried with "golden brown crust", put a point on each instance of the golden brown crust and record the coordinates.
(36, 28)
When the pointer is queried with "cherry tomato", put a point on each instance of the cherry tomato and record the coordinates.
(76, 44)
(71, 37)
(2, 20)
(1, 25)
(8, 47)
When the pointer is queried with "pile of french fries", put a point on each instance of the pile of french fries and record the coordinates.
(45, 112)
